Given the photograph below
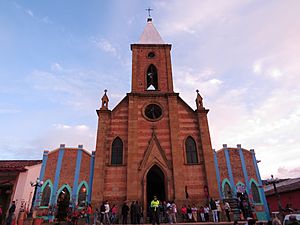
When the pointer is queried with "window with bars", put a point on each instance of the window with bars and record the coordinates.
(117, 152)
(191, 151)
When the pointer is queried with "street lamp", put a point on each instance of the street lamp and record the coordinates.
(36, 184)
(273, 181)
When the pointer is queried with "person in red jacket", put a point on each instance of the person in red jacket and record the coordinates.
(88, 214)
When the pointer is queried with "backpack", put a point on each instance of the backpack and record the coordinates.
(102, 208)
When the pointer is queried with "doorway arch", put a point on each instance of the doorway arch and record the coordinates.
(155, 184)
(63, 202)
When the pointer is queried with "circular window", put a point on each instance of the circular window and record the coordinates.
(153, 112)
(151, 55)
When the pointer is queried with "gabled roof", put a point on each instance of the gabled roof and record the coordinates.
(150, 35)
(17, 165)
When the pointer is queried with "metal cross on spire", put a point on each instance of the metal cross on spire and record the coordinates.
(149, 10)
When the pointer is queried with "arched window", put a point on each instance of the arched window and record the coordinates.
(255, 193)
(46, 195)
(152, 78)
(191, 151)
(227, 191)
(117, 152)
(82, 194)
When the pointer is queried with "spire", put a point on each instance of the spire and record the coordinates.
(199, 102)
(105, 101)
(150, 35)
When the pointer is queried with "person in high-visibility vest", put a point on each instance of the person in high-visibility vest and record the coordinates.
(155, 210)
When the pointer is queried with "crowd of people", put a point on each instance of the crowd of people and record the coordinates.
(158, 212)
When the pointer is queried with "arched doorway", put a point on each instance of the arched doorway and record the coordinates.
(155, 184)
(63, 202)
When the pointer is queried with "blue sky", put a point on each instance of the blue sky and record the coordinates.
(57, 57)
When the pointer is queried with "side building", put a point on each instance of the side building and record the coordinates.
(67, 175)
(16, 177)
(239, 180)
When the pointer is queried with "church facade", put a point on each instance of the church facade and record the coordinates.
(151, 144)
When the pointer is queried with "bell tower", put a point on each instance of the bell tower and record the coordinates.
(151, 63)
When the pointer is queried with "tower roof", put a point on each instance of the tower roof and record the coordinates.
(150, 35)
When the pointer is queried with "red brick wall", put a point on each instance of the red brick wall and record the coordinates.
(140, 64)
(115, 177)
(84, 174)
(236, 165)
(222, 165)
(194, 175)
(68, 166)
(249, 165)
(51, 166)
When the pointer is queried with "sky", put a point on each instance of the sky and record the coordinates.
(57, 57)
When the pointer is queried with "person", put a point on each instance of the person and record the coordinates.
(227, 211)
(189, 213)
(132, 213)
(201, 211)
(102, 213)
(174, 212)
(169, 212)
(194, 212)
(96, 215)
(138, 212)
(106, 212)
(88, 214)
(11, 212)
(114, 211)
(206, 213)
(219, 210)
(125, 210)
(155, 210)
(276, 220)
(213, 207)
(75, 216)
(164, 209)
(184, 213)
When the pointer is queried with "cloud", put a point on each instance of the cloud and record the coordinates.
(104, 45)
(8, 111)
(70, 135)
(56, 67)
(80, 127)
(252, 87)
(288, 172)
(76, 88)
(29, 12)
(187, 81)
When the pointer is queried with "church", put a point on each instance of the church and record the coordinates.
(151, 143)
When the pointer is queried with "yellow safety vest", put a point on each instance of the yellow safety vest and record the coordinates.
(154, 204)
